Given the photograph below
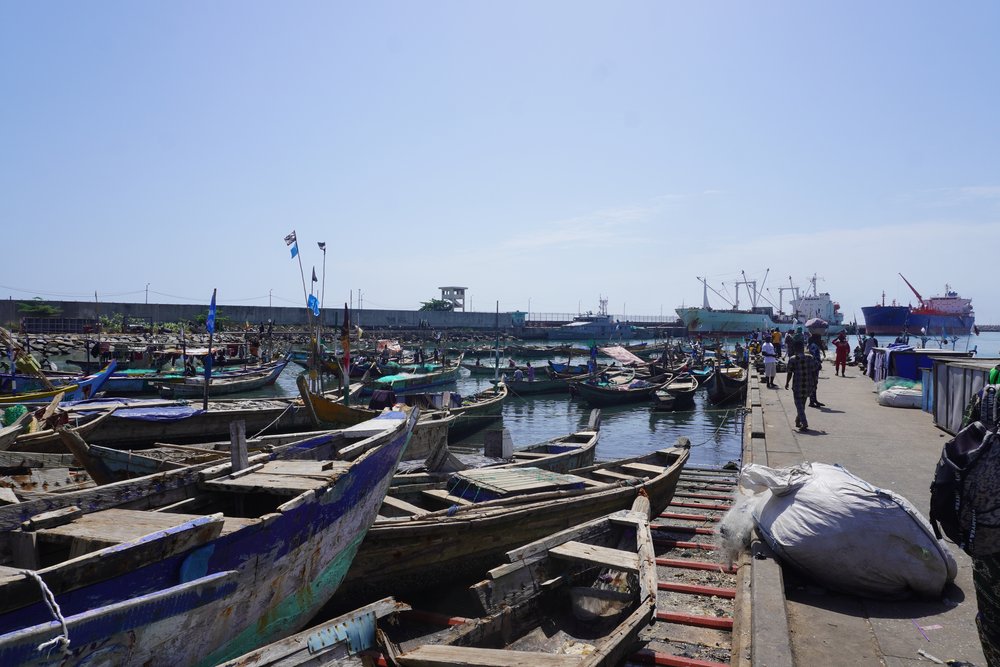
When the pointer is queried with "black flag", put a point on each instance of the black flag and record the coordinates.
(315, 279)
(322, 245)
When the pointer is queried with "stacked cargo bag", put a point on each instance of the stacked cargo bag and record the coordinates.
(846, 534)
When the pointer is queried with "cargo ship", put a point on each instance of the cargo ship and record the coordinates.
(948, 315)
(708, 320)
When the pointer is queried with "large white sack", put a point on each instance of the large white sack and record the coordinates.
(847, 534)
(900, 397)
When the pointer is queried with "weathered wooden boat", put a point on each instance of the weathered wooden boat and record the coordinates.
(560, 454)
(489, 369)
(139, 423)
(540, 385)
(194, 387)
(663, 400)
(424, 377)
(193, 566)
(83, 389)
(538, 352)
(478, 411)
(454, 530)
(591, 587)
(45, 439)
(682, 387)
(704, 375)
(603, 394)
(728, 385)
(339, 641)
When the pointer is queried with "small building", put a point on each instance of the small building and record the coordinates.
(455, 296)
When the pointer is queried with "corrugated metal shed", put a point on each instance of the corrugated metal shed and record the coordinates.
(955, 383)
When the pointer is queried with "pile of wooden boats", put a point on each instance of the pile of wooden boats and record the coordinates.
(193, 566)
(579, 597)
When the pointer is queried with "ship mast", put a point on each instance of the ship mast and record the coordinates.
(912, 289)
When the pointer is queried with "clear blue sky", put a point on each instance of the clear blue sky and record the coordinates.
(552, 151)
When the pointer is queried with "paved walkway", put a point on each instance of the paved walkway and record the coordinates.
(893, 448)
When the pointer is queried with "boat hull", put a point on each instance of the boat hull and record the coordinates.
(893, 320)
(262, 581)
(706, 321)
(411, 555)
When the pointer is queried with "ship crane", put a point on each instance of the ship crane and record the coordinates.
(912, 289)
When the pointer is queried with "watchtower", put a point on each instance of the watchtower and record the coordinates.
(455, 296)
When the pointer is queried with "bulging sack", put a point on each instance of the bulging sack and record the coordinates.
(847, 534)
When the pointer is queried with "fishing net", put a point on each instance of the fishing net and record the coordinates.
(12, 414)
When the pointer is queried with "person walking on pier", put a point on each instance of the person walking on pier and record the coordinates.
(803, 372)
(770, 362)
(843, 348)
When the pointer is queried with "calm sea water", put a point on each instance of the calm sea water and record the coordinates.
(628, 430)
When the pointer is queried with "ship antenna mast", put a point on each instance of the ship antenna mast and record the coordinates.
(912, 289)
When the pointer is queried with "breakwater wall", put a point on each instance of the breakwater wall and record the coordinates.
(10, 314)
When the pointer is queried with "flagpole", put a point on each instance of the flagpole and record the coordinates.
(210, 322)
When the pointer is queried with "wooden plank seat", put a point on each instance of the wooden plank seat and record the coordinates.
(440, 655)
(403, 506)
(530, 455)
(106, 528)
(597, 555)
(283, 478)
(644, 467)
(441, 494)
(610, 474)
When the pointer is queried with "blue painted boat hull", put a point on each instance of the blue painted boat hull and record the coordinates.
(272, 575)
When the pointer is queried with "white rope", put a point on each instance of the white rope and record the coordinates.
(61, 640)
(258, 433)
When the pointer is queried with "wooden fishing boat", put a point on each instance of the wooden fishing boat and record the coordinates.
(87, 387)
(600, 395)
(592, 586)
(682, 387)
(340, 641)
(489, 369)
(478, 411)
(472, 412)
(728, 385)
(454, 530)
(536, 352)
(193, 566)
(663, 400)
(704, 375)
(194, 387)
(140, 423)
(45, 439)
(423, 377)
(540, 385)
(561, 454)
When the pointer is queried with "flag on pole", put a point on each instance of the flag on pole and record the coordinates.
(315, 279)
(322, 245)
(292, 241)
(345, 340)
(210, 320)
(313, 304)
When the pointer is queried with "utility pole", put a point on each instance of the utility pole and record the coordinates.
(147, 294)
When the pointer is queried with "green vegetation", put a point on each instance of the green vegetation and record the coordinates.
(436, 304)
(38, 308)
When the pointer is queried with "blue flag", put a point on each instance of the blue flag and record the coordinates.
(208, 366)
(313, 304)
(210, 320)
(295, 250)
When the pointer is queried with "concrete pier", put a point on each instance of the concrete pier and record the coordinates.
(795, 622)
